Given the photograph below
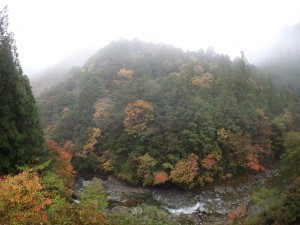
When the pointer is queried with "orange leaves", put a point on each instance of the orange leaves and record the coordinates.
(208, 162)
(238, 213)
(253, 162)
(185, 171)
(62, 166)
(211, 159)
(160, 177)
(22, 200)
(137, 115)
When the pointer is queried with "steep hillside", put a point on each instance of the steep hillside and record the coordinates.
(151, 114)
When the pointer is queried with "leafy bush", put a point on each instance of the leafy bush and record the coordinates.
(22, 199)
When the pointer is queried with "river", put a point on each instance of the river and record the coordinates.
(210, 205)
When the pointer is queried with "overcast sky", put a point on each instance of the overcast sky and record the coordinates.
(47, 31)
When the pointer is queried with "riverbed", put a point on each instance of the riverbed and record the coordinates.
(209, 206)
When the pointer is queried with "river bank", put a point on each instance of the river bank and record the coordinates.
(208, 206)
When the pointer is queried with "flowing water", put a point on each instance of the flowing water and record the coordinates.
(213, 203)
(186, 210)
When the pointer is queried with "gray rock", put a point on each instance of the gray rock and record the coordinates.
(86, 183)
(120, 210)
(229, 189)
(220, 190)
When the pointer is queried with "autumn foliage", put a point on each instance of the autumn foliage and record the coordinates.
(204, 80)
(124, 76)
(237, 213)
(62, 165)
(211, 159)
(22, 200)
(137, 115)
(253, 162)
(94, 134)
(160, 177)
(185, 171)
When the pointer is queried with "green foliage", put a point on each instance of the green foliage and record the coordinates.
(62, 212)
(21, 136)
(283, 212)
(290, 166)
(90, 163)
(149, 215)
(53, 185)
(289, 205)
(146, 168)
(158, 100)
(95, 193)
(125, 170)
(261, 197)
(90, 210)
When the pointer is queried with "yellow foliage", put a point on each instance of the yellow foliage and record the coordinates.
(145, 168)
(124, 76)
(92, 140)
(137, 115)
(205, 179)
(222, 135)
(204, 80)
(101, 108)
(107, 166)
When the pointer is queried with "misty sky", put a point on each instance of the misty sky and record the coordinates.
(47, 31)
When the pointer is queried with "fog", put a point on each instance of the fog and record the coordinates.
(47, 32)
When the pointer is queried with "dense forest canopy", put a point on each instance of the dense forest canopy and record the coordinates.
(140, 109)
(21, 135)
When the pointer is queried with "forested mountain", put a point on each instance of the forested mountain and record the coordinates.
(151, 114)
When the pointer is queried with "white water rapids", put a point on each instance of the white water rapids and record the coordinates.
(185, 210)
